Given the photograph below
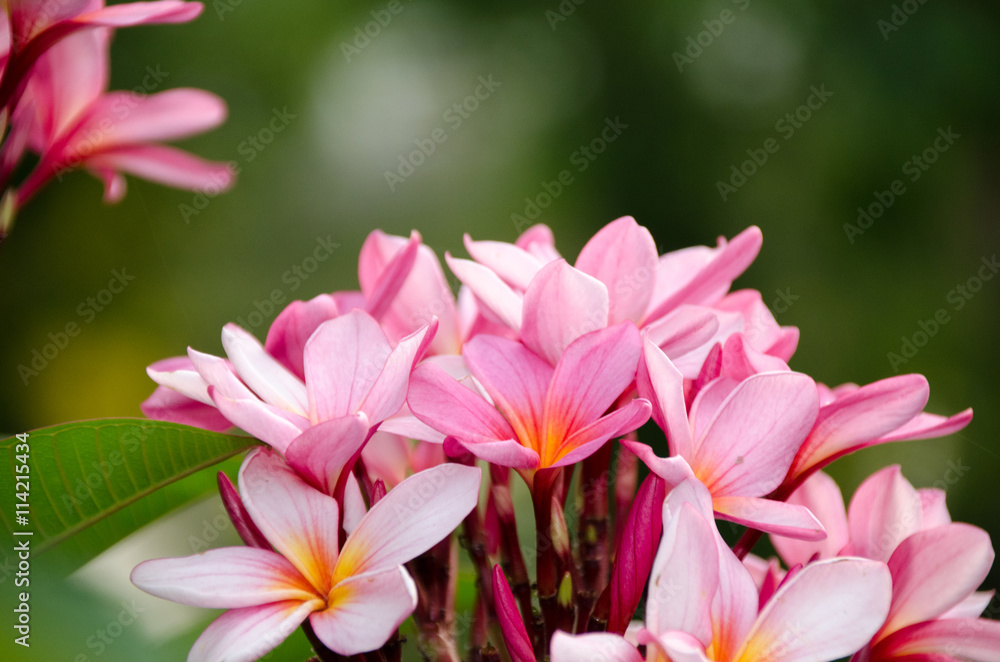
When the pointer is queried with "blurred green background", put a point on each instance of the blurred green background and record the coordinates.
(692, 86)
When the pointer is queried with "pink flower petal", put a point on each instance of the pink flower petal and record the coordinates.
(515, 378)
(675, 646)
(365, 611)
(388, 393)
(166, 404)
(928, 426)
(933, 509)
(511, 625)
(250, 633)
(64, 81)
(663, 385)
(271, 425)
(884, 511)
(142, 13)
(512, 263)
(131, 119)
(301, 523)
(343, 359)
(971, 606)
(592, 647)
(748, 446)
(741, 361)
(272, 382)
(932, 571)
(494, 295)
(179, 374)
(165, 165)
(585, 442)
(423, 295)
(712, 279)
(322, 451)
(685, 576)
(860, 417)
(623, 256)
(413, 517)
(560, 305)
(539, 241)
(224, 578)
(392, 277)
(592, 373)
(449, 407)
(684, 330)
(821, 495)
(796, 625)
(966, 638)
(673, 470)
(777, 517)
(286, 339)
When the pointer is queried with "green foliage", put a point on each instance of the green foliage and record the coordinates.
(81, 473)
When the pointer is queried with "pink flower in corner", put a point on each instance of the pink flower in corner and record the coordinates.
(936, 565)
(68, 118)
(739, 439)
(354, 597)
(548, 417)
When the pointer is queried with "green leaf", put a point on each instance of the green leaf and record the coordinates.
(81, 473)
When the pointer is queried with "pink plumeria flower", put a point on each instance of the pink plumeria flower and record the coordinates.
(354, 597)
(853, 417)
(73, 122)
(739, 439)
(936, 565)
(31, 27)
(533, 416)
(617, 277)
(351, 371)
(703, 605)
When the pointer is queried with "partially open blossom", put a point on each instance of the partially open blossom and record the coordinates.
(354, 597)
(739, 439)
(536, 416)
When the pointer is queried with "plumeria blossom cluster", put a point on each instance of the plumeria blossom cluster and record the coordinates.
(55, 103)
(396, 413)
